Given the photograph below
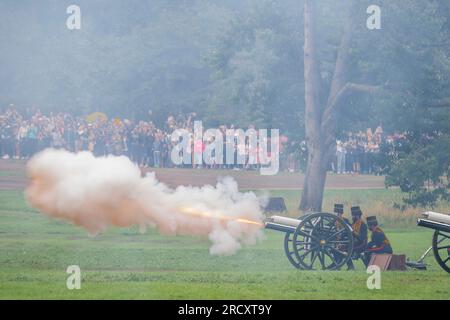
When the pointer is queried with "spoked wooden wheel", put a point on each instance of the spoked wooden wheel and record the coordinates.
(441, 249)
(321, 241)
(289, 250)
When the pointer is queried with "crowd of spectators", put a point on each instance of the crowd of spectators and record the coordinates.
(150, 145)
(22, 136)
(358, 152)
(145, 143)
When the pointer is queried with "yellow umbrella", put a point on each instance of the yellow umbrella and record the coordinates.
(96, 116)
(118, 122)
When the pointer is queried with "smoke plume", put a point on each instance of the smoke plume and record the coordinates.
(109, 191)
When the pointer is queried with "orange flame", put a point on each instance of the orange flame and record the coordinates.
(217, 215)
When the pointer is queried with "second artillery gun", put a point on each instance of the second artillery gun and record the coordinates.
(440, 223)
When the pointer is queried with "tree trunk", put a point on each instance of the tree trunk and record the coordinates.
(320, 126)
(315, 172)
(315, 177)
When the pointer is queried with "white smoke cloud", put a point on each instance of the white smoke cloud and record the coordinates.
(99, 192)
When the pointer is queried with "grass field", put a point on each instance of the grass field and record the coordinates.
(122, 263)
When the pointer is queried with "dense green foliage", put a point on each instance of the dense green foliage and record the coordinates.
(421, 167)
(420, 162)
(230, 61)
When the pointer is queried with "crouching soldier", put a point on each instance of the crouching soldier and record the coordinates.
(379, 242)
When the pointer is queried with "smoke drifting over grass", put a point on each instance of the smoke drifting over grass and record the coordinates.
(99, 192)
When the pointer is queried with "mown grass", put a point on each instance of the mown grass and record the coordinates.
(225, 285)
(122, 263)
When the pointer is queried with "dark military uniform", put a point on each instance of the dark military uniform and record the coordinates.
(359, 237)
(360, 232)
(339, 211)
(379, 244)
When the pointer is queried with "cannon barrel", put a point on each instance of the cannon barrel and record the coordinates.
(280, 227)
(284, 221)
(434, 220)
(433, 225)
(285, 224)
(437, 217)
(282, 224)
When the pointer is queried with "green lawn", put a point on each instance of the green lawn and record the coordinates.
(122, 263)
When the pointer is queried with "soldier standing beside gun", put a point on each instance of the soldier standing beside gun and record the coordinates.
(360, 236)
(339, 211)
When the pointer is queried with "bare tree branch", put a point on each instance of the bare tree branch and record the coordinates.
(363, 87)
(347, 88)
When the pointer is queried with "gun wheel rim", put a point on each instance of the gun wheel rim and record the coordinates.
(441, 249)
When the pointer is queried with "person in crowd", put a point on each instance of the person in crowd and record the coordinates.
(340, 154)
(157, 147)
(199, 147)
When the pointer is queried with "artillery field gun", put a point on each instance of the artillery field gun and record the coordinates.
(315, 241)
(440, 223)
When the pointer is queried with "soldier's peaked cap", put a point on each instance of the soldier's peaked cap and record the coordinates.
(356, 211)
(338, 208)
(372, 221)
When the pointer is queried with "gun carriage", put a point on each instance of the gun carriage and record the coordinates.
(440, 223)
(315, 241)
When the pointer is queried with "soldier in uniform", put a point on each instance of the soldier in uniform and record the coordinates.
(339, 211)
(359, 236)
(379, 242)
